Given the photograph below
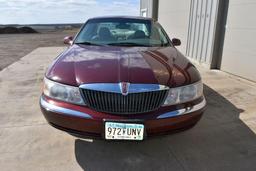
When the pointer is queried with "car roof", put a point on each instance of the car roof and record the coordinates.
(124, 17)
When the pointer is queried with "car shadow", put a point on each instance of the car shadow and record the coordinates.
(220, 141)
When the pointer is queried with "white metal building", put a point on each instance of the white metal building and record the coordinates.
(219, 34)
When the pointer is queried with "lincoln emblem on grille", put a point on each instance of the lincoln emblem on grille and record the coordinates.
(124, 87)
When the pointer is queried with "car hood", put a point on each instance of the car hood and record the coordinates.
(83, 64)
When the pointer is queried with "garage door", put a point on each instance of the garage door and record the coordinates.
(201, 30)
(239, 51)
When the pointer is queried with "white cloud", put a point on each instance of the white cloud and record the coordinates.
(62, 11)
(120, 3)
(44, 3)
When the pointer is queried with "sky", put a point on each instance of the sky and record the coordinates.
(63, 11)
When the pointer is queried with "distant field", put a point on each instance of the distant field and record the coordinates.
(15, 46)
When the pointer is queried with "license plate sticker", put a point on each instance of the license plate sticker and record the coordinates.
(123, 131)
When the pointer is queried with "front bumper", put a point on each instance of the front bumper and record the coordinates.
(85, 121)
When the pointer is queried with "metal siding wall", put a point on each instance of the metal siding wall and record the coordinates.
(196, 31)
(144, 4)
(205, 47)
(239, 52)
(213, 18)
(147, 4)
(173, 15)
(201, 30)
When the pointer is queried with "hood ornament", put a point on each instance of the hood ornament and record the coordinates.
(124, 87)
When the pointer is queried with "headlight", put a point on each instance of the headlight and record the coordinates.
(184, 94)
(62, 92)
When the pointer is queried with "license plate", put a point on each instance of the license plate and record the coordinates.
(123, 131)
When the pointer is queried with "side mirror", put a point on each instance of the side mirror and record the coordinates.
(68, 40)
(176, 42)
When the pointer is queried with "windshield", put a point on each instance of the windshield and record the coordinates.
(122, 32)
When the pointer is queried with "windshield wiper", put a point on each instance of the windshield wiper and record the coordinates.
(125, 44)
(88, 43)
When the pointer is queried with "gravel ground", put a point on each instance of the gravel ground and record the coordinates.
(15, 46)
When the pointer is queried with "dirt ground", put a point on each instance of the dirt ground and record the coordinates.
(15, 46)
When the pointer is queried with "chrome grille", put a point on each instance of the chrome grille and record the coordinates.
(117, 103)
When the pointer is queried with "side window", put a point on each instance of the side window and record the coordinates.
(140, 26)
(155, 34)
(110, 26)
(145, 29)
(87, 33)
(162, 35)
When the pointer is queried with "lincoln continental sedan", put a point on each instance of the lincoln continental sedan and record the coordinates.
(122, 78)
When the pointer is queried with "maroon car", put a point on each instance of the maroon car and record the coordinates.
(122, 78)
